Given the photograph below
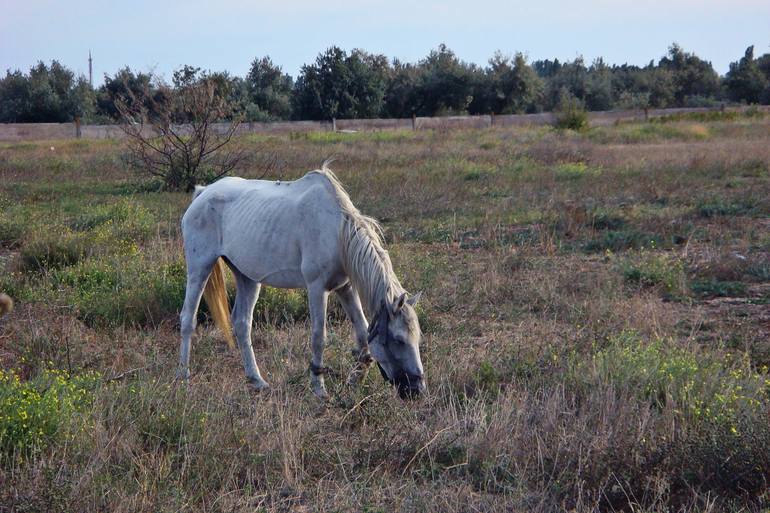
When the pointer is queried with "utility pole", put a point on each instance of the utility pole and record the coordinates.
(90, 71)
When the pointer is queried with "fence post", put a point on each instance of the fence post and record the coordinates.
(334, 124)
(414, 121)
(492, 119)
(77, 127)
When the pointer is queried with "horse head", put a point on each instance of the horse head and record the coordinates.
(394, 343)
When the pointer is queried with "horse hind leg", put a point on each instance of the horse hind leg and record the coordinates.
(247, 293)
(197, 274)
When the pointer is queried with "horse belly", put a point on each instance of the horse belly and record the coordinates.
(262, 241)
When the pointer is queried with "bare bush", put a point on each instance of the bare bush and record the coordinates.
(172, 131)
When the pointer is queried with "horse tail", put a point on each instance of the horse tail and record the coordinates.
(197, 191)
(215, 296)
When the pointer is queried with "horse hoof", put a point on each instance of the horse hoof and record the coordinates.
(321, 393)
(259, 385)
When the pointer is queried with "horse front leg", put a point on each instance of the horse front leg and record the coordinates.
(351, 303)
(317, 300)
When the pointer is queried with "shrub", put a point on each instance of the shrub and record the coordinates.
(717, 288)
(103, 230)
(37, 413)
(58, 247)
(618, 240)
(601, 219)
(278, 306)
(664, 271)
(573, 171)
(181, 156)
(116, 291)
(11, 232)
(720, 207)
(570, 113)
(135, 290)
(759, 270)
(719, 401)
(134, 222)
(700, 386)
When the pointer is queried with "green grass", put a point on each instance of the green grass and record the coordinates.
(635, 133)
(717, 288)
(620, 240)
(711, 116)
(720, 207)
(574, 171)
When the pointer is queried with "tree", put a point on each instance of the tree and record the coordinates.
(341, 86)
(269, 90)
(660, 84)
(48, 94)
(369, 73)
(546, 68)
(599, 91)
(745, 81)
(508, 87)
(402, 95)
(180, 155)
(692, 77)
(50, 89)
(83, 103)
(570, 76)
(763, 63)
(15, 97)
(447, 84)
(125, 86)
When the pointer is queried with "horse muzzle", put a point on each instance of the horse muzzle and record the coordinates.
(409, 386)
(411, 390)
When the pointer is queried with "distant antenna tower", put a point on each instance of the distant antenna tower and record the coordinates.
(90, 71)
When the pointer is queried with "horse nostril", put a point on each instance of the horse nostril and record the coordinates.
(409, 392)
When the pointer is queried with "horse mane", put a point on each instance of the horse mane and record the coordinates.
(365, 259)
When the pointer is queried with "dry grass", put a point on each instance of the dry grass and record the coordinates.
(595, 317)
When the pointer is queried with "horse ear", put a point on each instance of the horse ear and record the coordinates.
(397, 304)
(414, 299)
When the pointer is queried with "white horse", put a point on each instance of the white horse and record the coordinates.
(300, 234)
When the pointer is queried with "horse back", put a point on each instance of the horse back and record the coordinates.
(262, 225)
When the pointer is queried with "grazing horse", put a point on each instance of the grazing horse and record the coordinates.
(301, 234)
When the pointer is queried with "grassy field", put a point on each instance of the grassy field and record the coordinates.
(596, 313)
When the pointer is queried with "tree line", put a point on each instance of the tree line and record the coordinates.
(359, 84)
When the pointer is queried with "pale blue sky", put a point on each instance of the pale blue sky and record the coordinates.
(228, 34)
